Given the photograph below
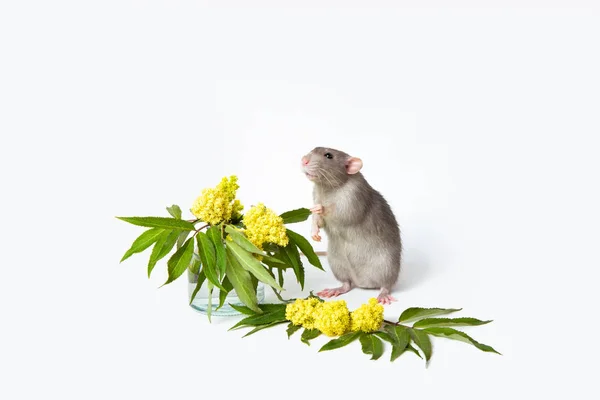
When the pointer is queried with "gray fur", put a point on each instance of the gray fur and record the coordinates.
(364, 245)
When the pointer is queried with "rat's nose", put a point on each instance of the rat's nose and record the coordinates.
(304, 160)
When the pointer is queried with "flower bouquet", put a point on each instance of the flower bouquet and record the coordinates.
(224, 250)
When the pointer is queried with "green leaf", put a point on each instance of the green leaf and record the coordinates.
(384, 335)
(206, 250)
(291, 256)
(275, 261)
(291, 329)
(260, 328)
(309, 334)
(194, 266)
(209, 304)
(214, 234)
(422, 340)
(223, 293)
(294, 216)
(162, 247)
(306, 248)
(450, 333)
(242, 283)
(145, 240)
(180, 261)
(182, 237)
(341, 341)
(242, 309)
(414, 313)
(252, 265)
(400, 338)
(159, 222)
(445, 322)
(175, 211)
(239, 238)
(372, 345)
(397, 351)
(199, 282)
(399, 334)
(261, 319)
(410, 348)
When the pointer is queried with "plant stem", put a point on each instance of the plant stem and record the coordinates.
(394, 323)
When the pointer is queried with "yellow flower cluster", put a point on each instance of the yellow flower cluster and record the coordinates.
(218, 204)
(264, 226)
(333, 318)
(368, 317)
(302, 312)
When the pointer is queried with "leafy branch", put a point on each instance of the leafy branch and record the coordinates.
(401, 337)
(222, 257)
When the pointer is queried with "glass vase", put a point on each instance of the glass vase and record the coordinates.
(201, 301)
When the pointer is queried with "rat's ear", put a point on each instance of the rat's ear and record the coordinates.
(353, 165)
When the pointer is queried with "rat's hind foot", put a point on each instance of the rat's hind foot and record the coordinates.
(327, 293)
(385, 297)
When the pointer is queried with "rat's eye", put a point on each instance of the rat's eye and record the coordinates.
(328, 155)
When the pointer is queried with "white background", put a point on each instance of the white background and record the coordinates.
(478, 123)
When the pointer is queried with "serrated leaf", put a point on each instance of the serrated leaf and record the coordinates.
(242, 283)
(299, 215)
(223, 293)
(342, 341)
(450, 333)
(206, 250)
(305, 247)
(214, 234)
(145, 240)
(384, 335)
(159, 222)
(179, 262)
(397, 351)
(200, 280)
(291, 256)
(308, 335)
(410, 348)
(182, 238)
(252, 265)
(291, 329)
(162, 247)
(260, 328)
(414, 313)
(175, 211)
(372, 345)
(400, 338)
(447, 322)
(261, 319)
(421, 339)
(242, 241)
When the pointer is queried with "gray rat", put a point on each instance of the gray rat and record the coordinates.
(364, 247)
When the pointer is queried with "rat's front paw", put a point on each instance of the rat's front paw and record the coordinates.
(314, 232)
(317, 209)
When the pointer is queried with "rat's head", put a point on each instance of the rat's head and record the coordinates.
(329, 167)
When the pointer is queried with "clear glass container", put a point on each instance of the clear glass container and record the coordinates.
(201, 302)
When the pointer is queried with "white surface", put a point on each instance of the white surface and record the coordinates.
(479, 125)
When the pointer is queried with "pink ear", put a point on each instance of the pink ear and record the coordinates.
(353, 165)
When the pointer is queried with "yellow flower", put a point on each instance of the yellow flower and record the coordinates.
(263, 225)
(368, 317)
(303, 312)
(333, 318)
(218, 204)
